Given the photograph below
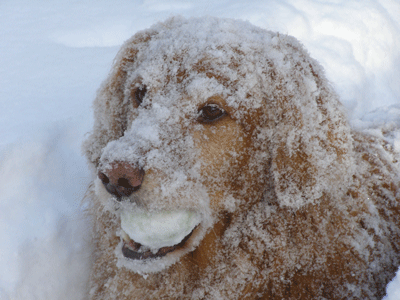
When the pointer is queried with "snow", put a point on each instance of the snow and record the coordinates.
(393, 288)
(53, 57)
(158, 229)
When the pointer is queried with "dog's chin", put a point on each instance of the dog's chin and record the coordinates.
(143, 260)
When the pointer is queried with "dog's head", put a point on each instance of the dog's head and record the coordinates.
(198, 120)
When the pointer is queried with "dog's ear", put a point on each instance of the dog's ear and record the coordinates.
(309, 142)
(111, 105)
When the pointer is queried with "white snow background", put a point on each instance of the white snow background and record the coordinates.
(53, 56)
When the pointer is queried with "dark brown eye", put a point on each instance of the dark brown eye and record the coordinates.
(140, 93)
(210, 113)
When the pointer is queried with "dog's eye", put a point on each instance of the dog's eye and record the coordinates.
(210, 113)
(140, 93)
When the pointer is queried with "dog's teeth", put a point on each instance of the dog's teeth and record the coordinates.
(131, 243)
(124, 236)
(135, 246)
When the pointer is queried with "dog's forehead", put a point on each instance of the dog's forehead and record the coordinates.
(175, 78)
(202, 58)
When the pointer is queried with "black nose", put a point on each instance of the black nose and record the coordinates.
(122, 179)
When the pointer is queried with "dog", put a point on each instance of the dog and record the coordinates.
(224, 168)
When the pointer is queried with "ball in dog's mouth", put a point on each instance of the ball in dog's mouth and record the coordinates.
(152, 235)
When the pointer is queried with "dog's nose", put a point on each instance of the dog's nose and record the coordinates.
(122, 179)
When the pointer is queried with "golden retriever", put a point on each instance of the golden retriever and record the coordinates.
(225, 169)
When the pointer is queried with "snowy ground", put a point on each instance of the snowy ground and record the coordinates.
(53, 56)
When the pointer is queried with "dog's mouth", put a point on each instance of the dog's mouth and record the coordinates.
(153, 235)
(134, 250)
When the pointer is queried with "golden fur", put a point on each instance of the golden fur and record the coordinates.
(300, 207)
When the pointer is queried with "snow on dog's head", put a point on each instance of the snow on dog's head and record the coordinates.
(191, 104)
(198, 114)
(199, 122)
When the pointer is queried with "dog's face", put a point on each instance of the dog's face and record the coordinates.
(183, 152)
(191, 130)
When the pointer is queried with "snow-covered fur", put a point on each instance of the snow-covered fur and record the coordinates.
(239, 126)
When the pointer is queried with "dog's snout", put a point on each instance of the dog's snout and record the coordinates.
(122, 179)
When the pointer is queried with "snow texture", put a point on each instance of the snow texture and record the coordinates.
(198, 42)
(182, 63)
(53, 57)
